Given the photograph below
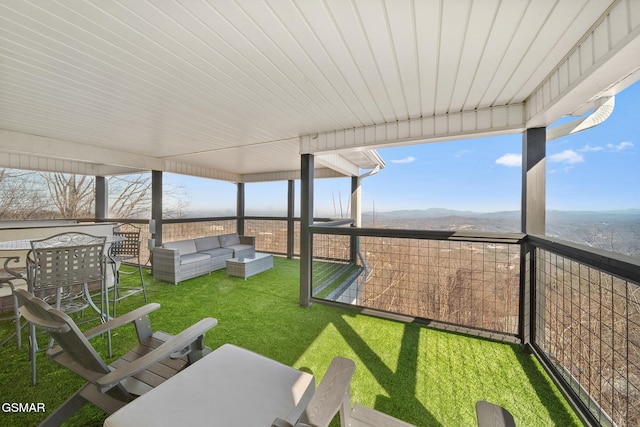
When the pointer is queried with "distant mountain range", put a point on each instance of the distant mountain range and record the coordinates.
(614, 230)
(442, 212)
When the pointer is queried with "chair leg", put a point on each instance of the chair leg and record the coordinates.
(116, 279)
(104, 308)
(68, 408)
(144, 290)
(116, 290)
(33, 349)
(16, 312)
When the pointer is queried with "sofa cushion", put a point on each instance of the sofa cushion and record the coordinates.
(195, 257)
(229, 239)
(206, 243)
(219, 252)
(185, 247)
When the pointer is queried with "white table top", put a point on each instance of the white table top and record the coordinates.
(248, 259)
(229, 387)
(25, 244)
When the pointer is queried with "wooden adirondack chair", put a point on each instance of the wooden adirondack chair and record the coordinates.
(157, 357)
(334, 395)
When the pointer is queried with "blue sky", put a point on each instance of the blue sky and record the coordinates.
(597, 169)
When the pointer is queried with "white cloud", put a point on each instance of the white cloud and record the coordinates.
(567, 156)
(409, 159)
(622, 146)
(588, 147)
(610, 147)
(510, 160)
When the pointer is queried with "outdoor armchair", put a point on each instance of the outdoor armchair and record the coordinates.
(157, 357)
(60, 269)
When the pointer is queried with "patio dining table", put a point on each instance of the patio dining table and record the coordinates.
(25, 245)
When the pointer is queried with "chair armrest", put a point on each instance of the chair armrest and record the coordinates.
(166, 263)
(332, 395)
(165, 350)
(248, 240)
(47, 325)
(130, 317)
(166, 252)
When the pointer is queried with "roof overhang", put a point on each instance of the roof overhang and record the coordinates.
(238, 91)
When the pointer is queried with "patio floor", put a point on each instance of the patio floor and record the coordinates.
(423, 376)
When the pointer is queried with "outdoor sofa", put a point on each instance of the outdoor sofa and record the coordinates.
(185, 259)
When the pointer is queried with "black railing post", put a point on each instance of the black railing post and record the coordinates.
(354, 241)
(156, 206)
(102, 198)
(240, 209)
(291, 200)
(526, 313)
(533, 294)
(306, 220)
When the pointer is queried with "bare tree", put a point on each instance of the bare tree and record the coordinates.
(21, 195)
(175, 202)
(130, 197)
(29, 195)
(72, 195)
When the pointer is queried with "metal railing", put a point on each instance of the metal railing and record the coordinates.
(271, 233)
(464, 281)
(587, 327)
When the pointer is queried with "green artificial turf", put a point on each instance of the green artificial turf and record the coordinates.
(423, 376)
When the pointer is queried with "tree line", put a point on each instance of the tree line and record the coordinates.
(28, 195)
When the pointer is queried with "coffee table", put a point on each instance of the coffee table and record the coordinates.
(230, 387)
(247, 266)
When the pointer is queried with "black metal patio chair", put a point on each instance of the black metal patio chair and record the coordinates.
(126, 251)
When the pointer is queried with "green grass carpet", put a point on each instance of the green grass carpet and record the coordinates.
(423, 376)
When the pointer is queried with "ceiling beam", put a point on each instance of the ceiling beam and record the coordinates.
(319, 173)
(32, 152)
(465, 124)
(199, 171)
(338, 163)
(56, 149)
(46, 164)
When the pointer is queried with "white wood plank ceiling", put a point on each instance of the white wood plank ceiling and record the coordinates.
(238, 89)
